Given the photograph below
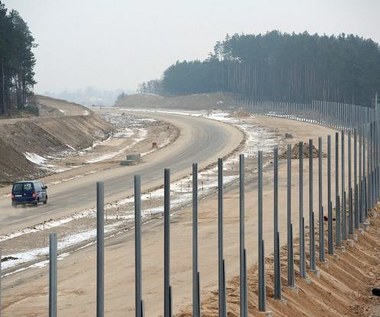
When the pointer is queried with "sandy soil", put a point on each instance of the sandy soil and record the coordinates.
(65, 126)
(25, 294)
(90, 161)
(341, 287)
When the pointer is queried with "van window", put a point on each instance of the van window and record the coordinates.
(28, 186)
(17, 187)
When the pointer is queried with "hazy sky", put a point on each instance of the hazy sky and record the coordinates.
(113, 44)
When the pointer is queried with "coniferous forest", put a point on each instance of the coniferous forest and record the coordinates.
(16, 61)
(281, 67)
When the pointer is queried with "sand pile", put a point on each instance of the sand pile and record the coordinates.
(342, 287)
(295, 153)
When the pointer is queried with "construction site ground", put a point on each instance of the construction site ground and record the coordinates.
(341, 288)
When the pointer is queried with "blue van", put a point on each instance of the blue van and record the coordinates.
(29, 192)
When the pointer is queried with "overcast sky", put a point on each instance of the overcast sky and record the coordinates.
(113, 44)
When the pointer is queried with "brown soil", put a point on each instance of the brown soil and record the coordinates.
(346, 278)
(295, 152)
(51, 107)
(342, 285)
(188, 102)
(343, 288)
(77, 127)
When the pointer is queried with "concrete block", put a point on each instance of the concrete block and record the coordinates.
(326, 264)
(267, 313)
(351, 242)
(127, 163)
(294, 289)
(354, 237)
(282, 301)
(136, 157)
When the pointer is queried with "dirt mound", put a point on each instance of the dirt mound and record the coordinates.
(188, 102)
(76, 131)
(295, 152)
(49, 107)
(241, 114)
(25, 139)
(343, 288)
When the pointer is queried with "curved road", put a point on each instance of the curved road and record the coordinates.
(200, 140)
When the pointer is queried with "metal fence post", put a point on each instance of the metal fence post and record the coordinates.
(370, 160)
(365, 139)
(344, 200)
(53, 275)
(1, 307)
(369, 186)
(350, 190)
(243, 265)
(221, 281)
(167, 286)
(261, 261)
(320, 197)
(301, 218)
(289, 218)
(196, 286)
(337, 198)
(356, 197)
(138, 283)
(311, 211)
(377, 159)
(329, 201)
(277, 263)
(100, 249)
(374, 167)
(360, 193)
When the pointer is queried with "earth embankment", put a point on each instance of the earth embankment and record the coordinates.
(188, 102)
(25, 140)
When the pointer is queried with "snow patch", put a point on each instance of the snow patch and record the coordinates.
(70, 147)
(35, 158)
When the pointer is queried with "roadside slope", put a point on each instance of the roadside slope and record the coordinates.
(25, 141)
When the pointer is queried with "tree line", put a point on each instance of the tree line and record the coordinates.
(16, 62)
(281, 67)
